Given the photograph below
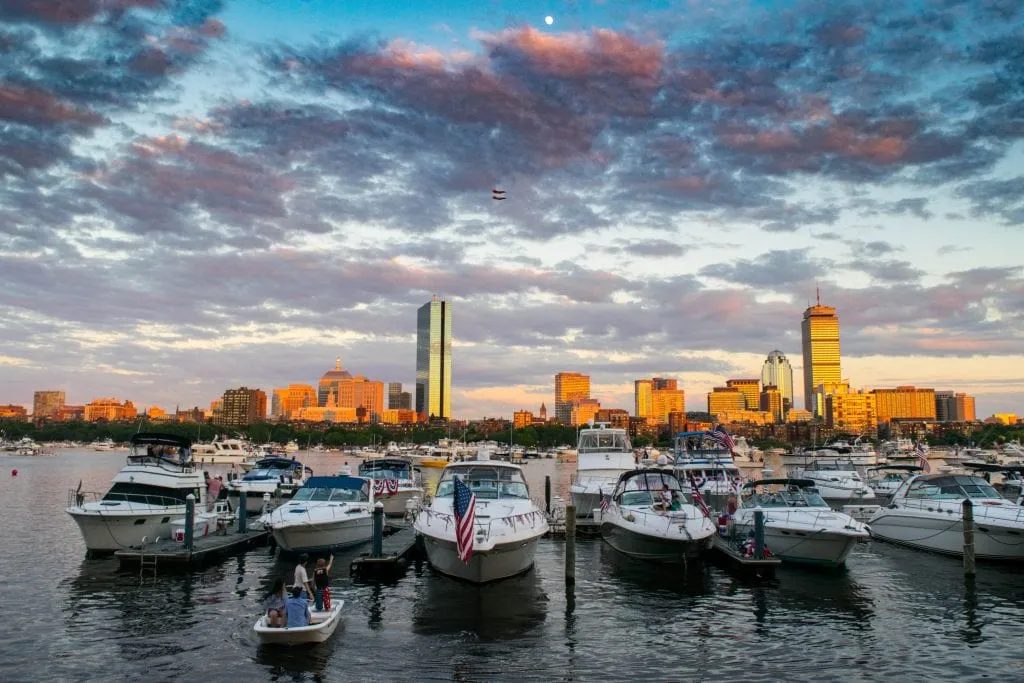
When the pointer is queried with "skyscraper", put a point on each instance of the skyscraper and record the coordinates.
(47, 404)
(434, 359)
(394, 395)
(820, 331)
(330, 383)
(642, 399)
(569, 387)
(777, 372)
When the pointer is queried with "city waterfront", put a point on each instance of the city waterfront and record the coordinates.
(892, 613)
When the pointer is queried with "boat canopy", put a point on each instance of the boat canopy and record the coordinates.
(275, 463)
(379, 464)
(153, 438)
(647, 480)
(603, 441)
(802, 483)
(339, 482)
(992, 467)
(897, 468)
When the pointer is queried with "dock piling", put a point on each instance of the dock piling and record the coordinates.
(570, 546)
(378, 530)
(759, 534)
(190, 521)
(243, 514)
(266, 503)
(968, 516)
(547, 494)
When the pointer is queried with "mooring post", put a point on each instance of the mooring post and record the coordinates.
(547, 493)
(570, 545)
(968, 514)
(243, 514)
(759, 534)
(378, 530)
(190, 520)
(266, 503)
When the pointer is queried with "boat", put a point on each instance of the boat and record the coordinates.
(637, 523)
(799, 526)
(507, 523)
(837, 481)
(1010, 484)
(602, 455)
(148, 492)
(104, 445)
(324, 514)
(700, 456)
(270, 475)
(321, 627)
(885, 479)
(926, 513)
(859, 452)
(396, 483)
(203, 523)
(222, 451)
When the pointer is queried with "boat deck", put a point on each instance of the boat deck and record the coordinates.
(170, 553)
(735, 560)
(396, 550)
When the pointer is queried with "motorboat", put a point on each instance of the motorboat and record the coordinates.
(396, 483)
(222, 452)
(700, 456)
(203, 523)
(799, 526)
(885, 479)
(649, 518)
(861, 453)
(837, 481)
(104, 445)
(322, 625)
(506, 525)
(276, 476)
(324, 514)
(1007, 479)
(602, 455)
(149, 491)
(926, 513)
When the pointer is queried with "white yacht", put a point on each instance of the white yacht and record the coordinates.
(927, 513)
(649, 518)
(268, 475)
(396, 483)
(799, 526)
(837, 481)
(147, 493)
(105, 445)
(859, 452)
(326, 513)
(602, 454)
(885, 479)
(701, 457)
(222, 451)
(506, 527)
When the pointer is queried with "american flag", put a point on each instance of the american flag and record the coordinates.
(718, 434)
(465, 515)
(604, 501)
(922, 460)
(698, 499)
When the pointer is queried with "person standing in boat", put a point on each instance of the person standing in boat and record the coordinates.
(213, 487)
(302, 578)
(322, 583)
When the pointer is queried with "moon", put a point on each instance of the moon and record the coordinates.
(549, 20)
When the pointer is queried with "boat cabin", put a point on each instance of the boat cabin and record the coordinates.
(700, 445)
(334, 489)
(782, 493)
(948, 487)
(386, 468)
(602, 439)
(275, 469)
(642, 488)
(159, 449)
(491, 480)
(888, 474)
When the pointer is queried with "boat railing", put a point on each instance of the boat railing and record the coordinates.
(514, 522)
(983, 508)
(168, 464)
(804, 515)
(661, 518)
(78, 498)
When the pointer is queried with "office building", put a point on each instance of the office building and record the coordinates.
(46, 405)
(725, 399)
(778, 372)
(434, 359)
(241, 406)
(820, 333)
(905, 403)
(751, 390)
(771, 402)
(569, 387)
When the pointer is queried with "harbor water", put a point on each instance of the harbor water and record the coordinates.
(892, 614)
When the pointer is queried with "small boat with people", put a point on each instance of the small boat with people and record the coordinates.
(837, 481)
(603, 453)
(650, 518)
(146, 494)
(324, 514)
(926, 513)
(799, 526)
(481, 526)
(273, 475)
(322, 625)
(396, 483)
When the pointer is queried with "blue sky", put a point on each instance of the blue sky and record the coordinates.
(200, 194)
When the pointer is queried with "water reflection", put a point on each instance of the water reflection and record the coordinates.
(495, 611)
(971, 632)
(826, 594)
(693, 580)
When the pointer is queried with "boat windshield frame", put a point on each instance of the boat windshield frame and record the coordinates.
(603, 441)
(784, 496)
(487, 481)
(941, 487)
(324, 494)
(386, 468)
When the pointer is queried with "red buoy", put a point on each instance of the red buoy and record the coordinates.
(14, 473)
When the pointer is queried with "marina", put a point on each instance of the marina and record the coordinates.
(878, 609)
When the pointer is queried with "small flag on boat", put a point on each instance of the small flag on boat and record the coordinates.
(604, 501)
(465, 516)
(922, 460)
(698, 499)
(719, 435)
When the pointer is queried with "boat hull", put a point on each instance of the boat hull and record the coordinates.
(500, 562)
(254, 499)
(821, 548)
(654, 548)
(946, 536)
(587, 498)
(323, 627)
(330, 534)
(106, 533)
(394, 504)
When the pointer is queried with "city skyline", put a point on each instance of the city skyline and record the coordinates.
(199, 195)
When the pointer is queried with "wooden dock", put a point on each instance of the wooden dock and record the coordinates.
(170, 554)
(728, 554)
(396, 551)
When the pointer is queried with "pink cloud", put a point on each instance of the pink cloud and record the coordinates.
(35, 106)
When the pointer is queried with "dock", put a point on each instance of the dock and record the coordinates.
(171, 554)
(396, 551)
(729, 555)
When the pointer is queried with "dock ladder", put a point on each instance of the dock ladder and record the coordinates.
(147, 562)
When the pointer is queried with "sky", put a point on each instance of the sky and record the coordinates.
(203, 194)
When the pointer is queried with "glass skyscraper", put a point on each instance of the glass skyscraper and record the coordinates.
(778, 372)
(434, 359)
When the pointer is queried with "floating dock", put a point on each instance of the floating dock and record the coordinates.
(726, 552)
(396, 551)
(168, 553)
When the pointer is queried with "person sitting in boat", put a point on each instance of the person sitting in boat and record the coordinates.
(677, 500)
(664, 499)
(297, 609)
(274, 604)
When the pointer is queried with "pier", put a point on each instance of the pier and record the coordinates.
(173, 554)
(395, 552)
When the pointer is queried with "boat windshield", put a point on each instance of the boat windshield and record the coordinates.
(789, 498)
(320, 494)
(130, 492)
(953, 487)
(603, 441)
(385, 472)
(833, 466)
(485, 482)
(263, 475)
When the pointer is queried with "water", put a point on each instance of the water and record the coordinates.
(892, 613)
